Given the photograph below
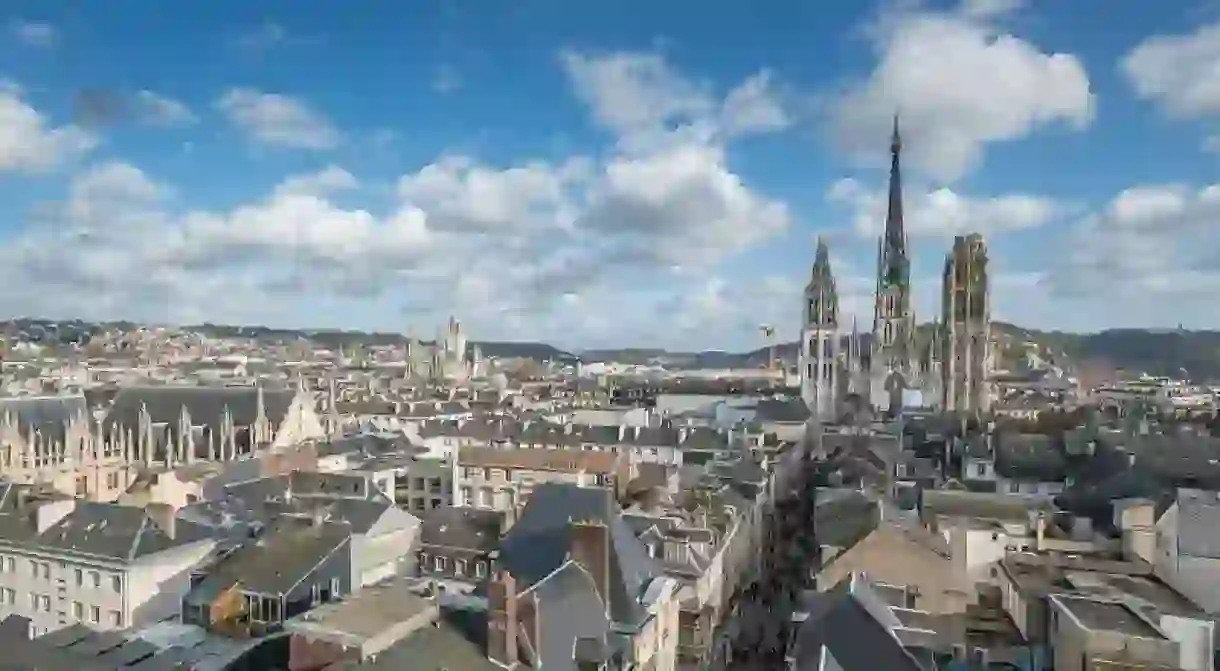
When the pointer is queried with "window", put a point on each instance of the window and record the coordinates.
(315, 593)
(97, 580)
(46, 571)
(980, 470)
(335, 588)
(95, 614)
(33, 568)
(80, 577)
(33, 601)
(10, 595)
(10, 564)
(440, 563)
(459, 567)
(480, 569)
(78, 610)
(3, 597)
(116, 618)
(116, 583)
(112, 480)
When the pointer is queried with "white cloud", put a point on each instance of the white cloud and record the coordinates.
(34, 33)
(983, 9)
(1180, 74)
(942, 212)
(1151, 247)
(158, 110)
(29, 143)
(959, 82)
(645, 102)
(277, 120)
(575, 250)
(331, 179)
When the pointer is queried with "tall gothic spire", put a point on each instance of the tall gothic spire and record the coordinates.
(895, 235)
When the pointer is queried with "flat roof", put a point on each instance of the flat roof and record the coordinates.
(1107, 616)
(366, 614)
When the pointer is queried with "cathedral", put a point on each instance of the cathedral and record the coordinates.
(943, 365)
(445, 360)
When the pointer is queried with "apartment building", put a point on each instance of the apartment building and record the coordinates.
(65, 561)
(503, 479)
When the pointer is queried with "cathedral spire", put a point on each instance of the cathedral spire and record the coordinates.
(895, 233)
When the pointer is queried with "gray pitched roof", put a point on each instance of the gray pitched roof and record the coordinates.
(462, 528)
(840, 627)
(206, 405)
(108, 530)
(537, 545)
(46, 414)
(274, 562)
(570, 615)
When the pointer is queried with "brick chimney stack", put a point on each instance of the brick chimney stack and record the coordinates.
(589, 545)
(502, 606)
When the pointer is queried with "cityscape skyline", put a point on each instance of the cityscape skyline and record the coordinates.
(590, 182)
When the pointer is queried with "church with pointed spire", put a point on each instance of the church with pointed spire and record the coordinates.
(889, 366)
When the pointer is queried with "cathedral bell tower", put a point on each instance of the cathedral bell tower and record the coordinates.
(819, 345)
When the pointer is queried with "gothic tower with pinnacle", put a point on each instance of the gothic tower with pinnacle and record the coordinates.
(966, 325)
(893, 324)
(819, 350)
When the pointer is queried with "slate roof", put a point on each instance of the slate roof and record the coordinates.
(537, 545)
(462, 528)
(107, 530)
(274, 563)
(571, 615)
(840, 627)
(47, 414)
(206, 405)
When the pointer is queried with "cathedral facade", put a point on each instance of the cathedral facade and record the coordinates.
(446, 359)
(942, 365)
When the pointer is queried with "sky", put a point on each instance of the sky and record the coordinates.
(628, 173)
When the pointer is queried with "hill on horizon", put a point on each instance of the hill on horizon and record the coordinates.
(1176, 352)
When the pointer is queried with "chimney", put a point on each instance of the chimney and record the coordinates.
(589, 545)
(502, 617)
(164, 516)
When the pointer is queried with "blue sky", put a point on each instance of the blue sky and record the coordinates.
(625, 173)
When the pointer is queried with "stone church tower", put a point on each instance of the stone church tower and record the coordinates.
(819, 349)
(966, 324)
(893, 324)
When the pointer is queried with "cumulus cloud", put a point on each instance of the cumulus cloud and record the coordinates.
(644, 101)
(29, 142)
(1151, 249)
(943, 211)
(960, 81)
(277, 120)
(1180, 74)
(523, 244)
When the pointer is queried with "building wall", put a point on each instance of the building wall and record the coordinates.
(887, 557)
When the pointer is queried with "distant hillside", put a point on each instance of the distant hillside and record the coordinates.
(66, 332)
(1130, 351)
(1156, 352)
